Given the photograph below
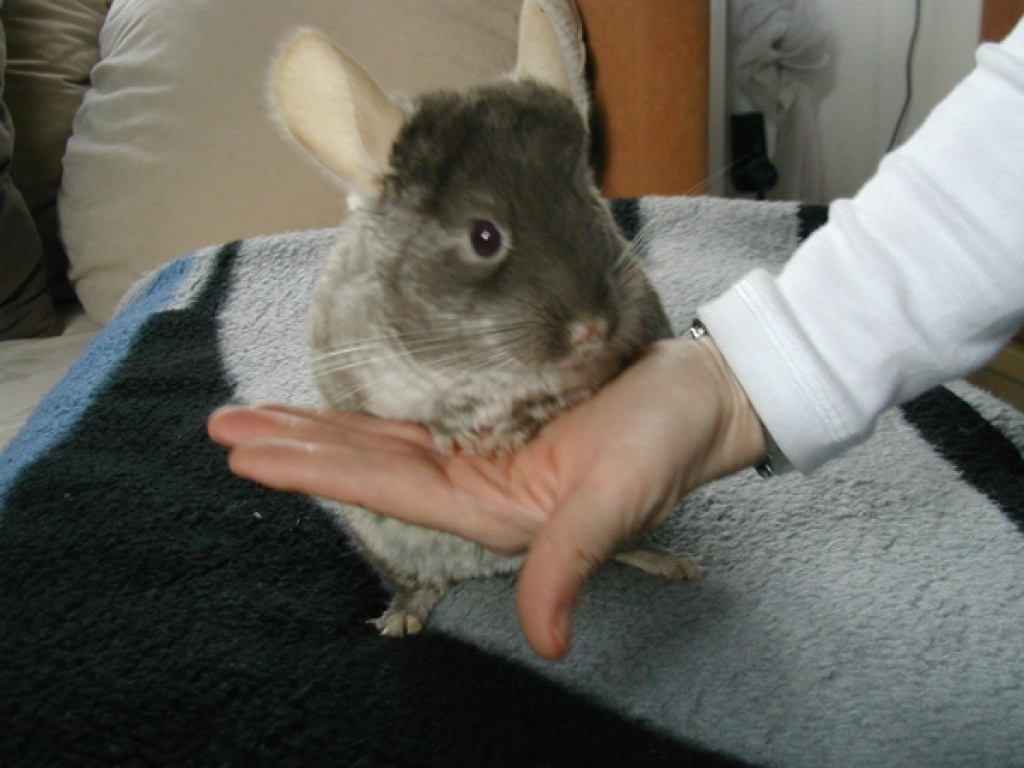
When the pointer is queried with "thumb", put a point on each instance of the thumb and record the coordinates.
(563, 555)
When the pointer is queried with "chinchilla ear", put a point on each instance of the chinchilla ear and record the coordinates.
(551, 48)
(335, 109)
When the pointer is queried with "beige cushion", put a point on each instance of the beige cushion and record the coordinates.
(173, 148)
(52, 46)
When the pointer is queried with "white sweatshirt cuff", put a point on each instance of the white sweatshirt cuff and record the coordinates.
(797, 399)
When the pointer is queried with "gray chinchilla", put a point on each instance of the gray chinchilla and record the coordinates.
(479, 285)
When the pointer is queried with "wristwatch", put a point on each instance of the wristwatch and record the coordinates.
(775, 462)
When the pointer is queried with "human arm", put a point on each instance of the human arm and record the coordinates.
(917, 280)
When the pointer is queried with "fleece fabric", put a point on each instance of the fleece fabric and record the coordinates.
(154, 609)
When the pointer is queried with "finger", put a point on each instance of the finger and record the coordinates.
(342, 471)
(411, 484)
(564, 554)
(232, 425)
(403, 430)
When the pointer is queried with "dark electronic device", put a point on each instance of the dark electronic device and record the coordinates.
(751, 169)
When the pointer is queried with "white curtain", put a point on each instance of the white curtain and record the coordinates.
(779, 53)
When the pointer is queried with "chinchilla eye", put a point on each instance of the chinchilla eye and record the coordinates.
(486, 239)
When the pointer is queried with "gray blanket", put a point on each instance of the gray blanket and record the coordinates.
(155, 609)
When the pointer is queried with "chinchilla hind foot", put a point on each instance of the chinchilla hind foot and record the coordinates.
(408, 612)
(660, 561)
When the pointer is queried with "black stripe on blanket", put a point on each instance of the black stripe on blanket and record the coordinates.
(982, 454)
(203, 620)
(626, 212)
(809, 218)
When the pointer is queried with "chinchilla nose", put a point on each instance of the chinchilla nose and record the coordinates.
(589, 332)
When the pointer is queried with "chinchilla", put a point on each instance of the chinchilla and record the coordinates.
(479, 284)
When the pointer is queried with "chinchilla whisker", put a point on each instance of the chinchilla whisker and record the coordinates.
(461, 330)
(701, 187)
(376, 342)
(535, 307)
(499, 359)
(365, 386)
(640, 249)
(392, 335)
(371, 384)
(465, 365)
(637, 249)
(440, 349)
(349, 350)
(458, 340)
(354, 355)
(456, 356)
(506, 335)
(453, 363)
(325, 368)
(353, 358)
(628, 259)
(505, 361)
(350, 357)
(448, 340)
(412, 340)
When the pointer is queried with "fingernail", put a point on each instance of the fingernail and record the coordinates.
(562, 630)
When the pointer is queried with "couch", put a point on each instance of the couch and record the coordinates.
(154, 609)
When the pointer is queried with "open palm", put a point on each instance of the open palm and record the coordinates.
(608, 469)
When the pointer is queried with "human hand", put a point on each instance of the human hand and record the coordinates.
(608, 469)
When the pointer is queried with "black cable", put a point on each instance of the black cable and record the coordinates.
(909, 75)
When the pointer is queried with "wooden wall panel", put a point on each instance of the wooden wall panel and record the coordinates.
(998, 17)
(649, 62)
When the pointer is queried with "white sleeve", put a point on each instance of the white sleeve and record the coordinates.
(917, 280)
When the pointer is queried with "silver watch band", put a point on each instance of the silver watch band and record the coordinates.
(775, 462)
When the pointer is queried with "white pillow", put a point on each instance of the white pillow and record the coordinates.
(173, 147)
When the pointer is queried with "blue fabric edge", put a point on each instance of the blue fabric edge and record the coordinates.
(60, 409)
